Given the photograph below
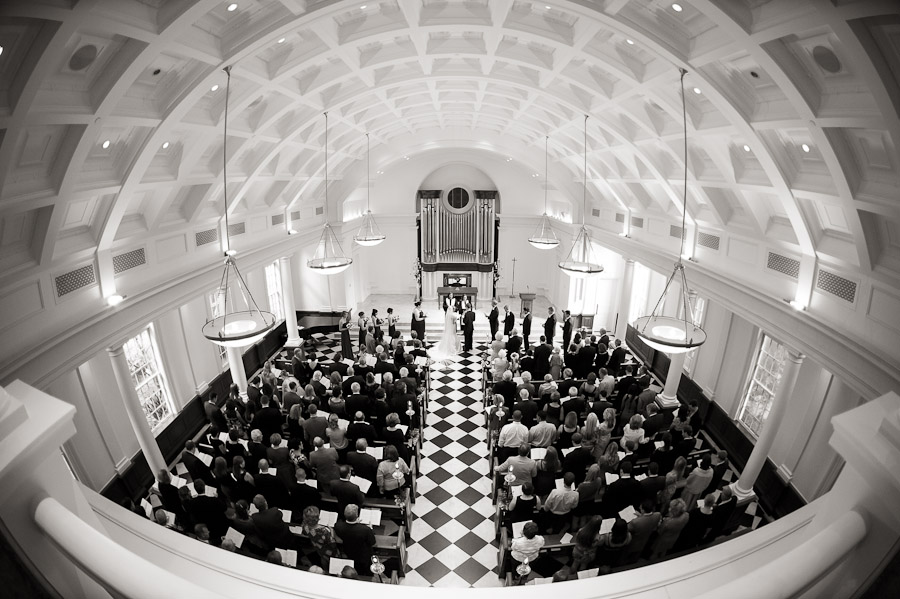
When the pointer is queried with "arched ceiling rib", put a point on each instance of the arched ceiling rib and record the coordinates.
(772, 77)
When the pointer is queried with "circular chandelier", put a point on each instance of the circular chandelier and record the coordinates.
(329, 258)
(369, 234)
(241, 327)
(544, 237)
(580, 262)
(667, 333)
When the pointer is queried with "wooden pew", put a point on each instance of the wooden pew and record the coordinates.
(552, 545)
(386, 547)
(402, 514)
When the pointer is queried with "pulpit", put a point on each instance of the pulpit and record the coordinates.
(470, 293)
(527, 302)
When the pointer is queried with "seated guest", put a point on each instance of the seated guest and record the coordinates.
(621, 493)
(557, 509)
(324, 461)
(669, 529)
(542, 434)
(271, 487)
(270, 524)
(321, 536)
(357, 539)
(390, 483)
(528, 546)
(522, 466)
(345, 491)
(641, 529)
(360, 429)
(302, 495)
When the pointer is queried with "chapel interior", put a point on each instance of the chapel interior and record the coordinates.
(165, 164)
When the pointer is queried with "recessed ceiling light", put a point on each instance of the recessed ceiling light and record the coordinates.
(281, 41)
(677, 7)
(115, 299)
(214, 88)
(629, 42)
(1, 49)
(105, 144)
(165, 145)
(805, 148)
(232, 7)
(746, 148)
(363, 7)
(547, 6)
(697, 90)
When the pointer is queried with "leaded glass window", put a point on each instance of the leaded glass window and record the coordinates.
(757, 402)
(146, 370)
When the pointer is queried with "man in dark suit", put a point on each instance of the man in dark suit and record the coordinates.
(364, 465)
(603, 339)
(353, 377)
(290, 398)
(567, 329)
(208, 510)
(621, 493)
(195, 466)
(578, 460)
(268, 419)
(302, 495)
(360, 429)
(270, 486)
(654, 422)
(526, 326)
(528, 407)
(358, 401)
(514, 343)
(723, 521)
(468, 326)
(550, 325)
(585, 361)
(507, 388)
(654, 483)
(625, 383)
(385, 364)
(213, 414)
(358, 539)
(509, 321)
(270, 525)
(324, 461)
(687, 444)
(494, 318)
(542, 353)
(345, 491)
(338, 365)
(616, 359)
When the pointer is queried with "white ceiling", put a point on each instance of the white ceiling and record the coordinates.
(771, 76)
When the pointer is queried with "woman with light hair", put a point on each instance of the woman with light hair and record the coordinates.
(670, 528)
(556, 364)
(606, 428)
(590, 435)
(497, 344)
(500, 365)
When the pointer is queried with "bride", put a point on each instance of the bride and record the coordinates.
(449, 342)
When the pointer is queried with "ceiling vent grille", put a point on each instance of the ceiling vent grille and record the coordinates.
(320, 210)
(783, 264)
(675, 231)
(129, 260)
(836, 285)
(595, 212)
(205, 237)
(75, 279)
(708, 241)
(295, 215)
(278, 219)
(236, 229)
(620, 218)
(637, 222)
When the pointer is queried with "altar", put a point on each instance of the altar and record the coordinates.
(464, 292)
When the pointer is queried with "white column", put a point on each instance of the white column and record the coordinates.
(287, 295)
(135, 411)
(673, 378)
(236, 364)
(625, 299)
(783, 393)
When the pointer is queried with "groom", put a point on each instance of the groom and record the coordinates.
(468, 327)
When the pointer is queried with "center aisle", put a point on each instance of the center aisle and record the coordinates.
(453, 533)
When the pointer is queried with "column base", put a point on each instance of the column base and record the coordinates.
(293, 342)
(742, 495)
(667, 402)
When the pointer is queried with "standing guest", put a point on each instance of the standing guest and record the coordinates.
(528, 546)
(607, 382)
(612, 544)
(550, 325)
(621, 493)
(361, 429)
(585, 551)
(546, 388)
(647, 396)
(196, 467)
(346, 343)
(268, 419)
(664, 455)
(578, 460)
(616, 358)
(507, 388)
(497, 344)
(719, 467)
(549, 469)
(556, 364)
(542, 434)
(509, 321)
(344, 491)
(590, 435)
(669, 529)
(270, 524)
(679, 469)
(268, 377)
(302, 495)
(213, 414)
(558, 507)
(628, 383)
(722, 513)
(496, 419)
(586, 357)
(602, 359)
(389, 483)
(589, 490)
(270, 486)
(324, 461)
(240, 520)
(371, 340)
(590, 391)
(514, 343)
(393, 436)
(526, 326)
(700, 519)
(337, 436)
(566, 430)
(526, 405)
(634, 431)
(512, 435)
(653, 483)
(521, 466)
(320, 535)
(522, 507)
(357, 539)
(609, 461)
(542, 358)
(697, 482)
(364, 465)
(297, 360)
(654, 422)
(567, 328)
(641, 529)
(574, 404)
(571, 358)
(606, 428)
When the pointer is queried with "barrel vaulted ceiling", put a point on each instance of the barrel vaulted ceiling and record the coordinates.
(792, 111)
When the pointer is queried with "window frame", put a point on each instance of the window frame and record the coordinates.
(215, 305)
(159, 375)
(690, 359)
(762, 353)
(276, 307)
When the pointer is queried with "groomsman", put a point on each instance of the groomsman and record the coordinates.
(526, 326)
(494, 318)
(468, 320)
(567, 329)
(418, 322)
(509, 321)
(550, 325)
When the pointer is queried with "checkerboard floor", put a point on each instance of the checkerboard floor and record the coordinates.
(452, 538)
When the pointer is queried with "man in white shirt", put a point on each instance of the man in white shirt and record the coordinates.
(512, 435)
(606, 382)
(559, 505)
(542, 434)
(522, 466)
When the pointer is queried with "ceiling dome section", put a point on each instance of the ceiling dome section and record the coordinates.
(112, 111)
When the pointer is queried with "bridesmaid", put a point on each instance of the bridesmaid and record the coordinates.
(346, 344)
(392, 323)
(362, 323)
(377, 322)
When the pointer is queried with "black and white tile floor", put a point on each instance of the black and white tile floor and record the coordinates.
(452, 538)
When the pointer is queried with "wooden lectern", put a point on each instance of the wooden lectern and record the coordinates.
(527, 302)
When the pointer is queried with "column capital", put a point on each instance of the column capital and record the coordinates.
(116, 350)
(795, 356)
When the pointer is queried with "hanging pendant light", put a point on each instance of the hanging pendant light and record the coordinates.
(369, 234)
(235, 327)
(580, 262)
(544, 237)
(329, 258)
(667, 333)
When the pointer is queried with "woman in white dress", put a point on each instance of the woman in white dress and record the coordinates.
(449, 342)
